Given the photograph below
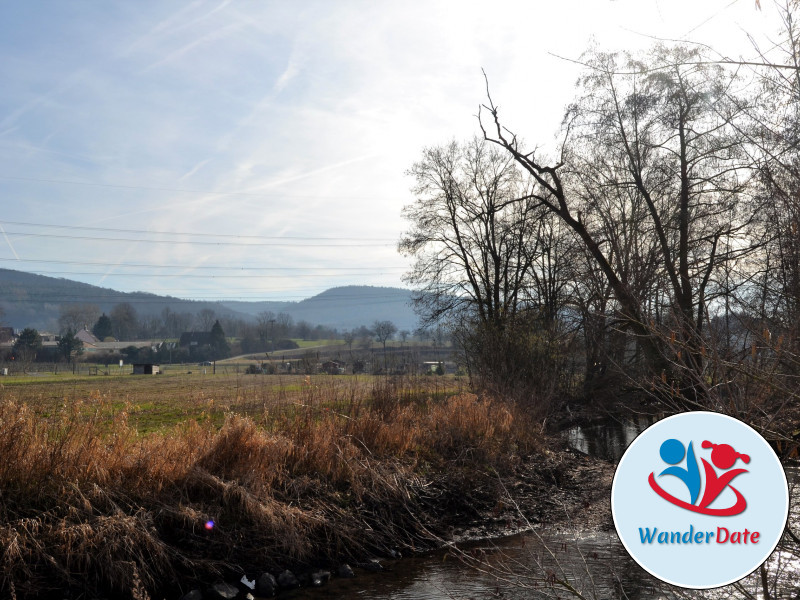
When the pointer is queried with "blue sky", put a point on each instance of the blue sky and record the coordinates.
(257, 150)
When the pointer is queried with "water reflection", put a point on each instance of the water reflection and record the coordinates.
(523, 566)
(609, 439)
(531, 565)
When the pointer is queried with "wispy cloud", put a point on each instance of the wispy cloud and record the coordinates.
(213, 36)
(194, 169)
(297, 177)
(120, 261)
(291, 71)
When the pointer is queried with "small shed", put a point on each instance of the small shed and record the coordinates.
(332, 367)
(145, 369)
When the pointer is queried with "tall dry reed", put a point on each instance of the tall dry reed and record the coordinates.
(91, 504)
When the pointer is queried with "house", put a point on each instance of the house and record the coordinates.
(145, 369)
(87, 337)
(195, 338)
(6, 334)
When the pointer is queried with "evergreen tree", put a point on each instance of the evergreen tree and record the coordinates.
(27, 346)
(103, 329)
(69, 344)
(219, 345)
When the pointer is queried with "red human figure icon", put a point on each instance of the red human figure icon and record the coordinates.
(724, 457)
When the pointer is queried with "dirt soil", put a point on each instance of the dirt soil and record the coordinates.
(567, 490)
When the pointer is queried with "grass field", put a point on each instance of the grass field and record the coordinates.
(156, 402)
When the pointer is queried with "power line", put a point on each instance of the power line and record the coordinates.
(305, 291)
(180, 190)
(715, 15)
(121, 297)
(214, 235)
(198, 276)
(188, 242)
(205, 267)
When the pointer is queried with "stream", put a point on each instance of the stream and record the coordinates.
(529, 565)
(519, 566)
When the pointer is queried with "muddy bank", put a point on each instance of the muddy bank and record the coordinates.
(564, 488)
(558, 490)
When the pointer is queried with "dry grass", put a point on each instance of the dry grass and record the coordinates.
(152, 403)
(337, 472)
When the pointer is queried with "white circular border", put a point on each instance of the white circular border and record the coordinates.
(683, 415)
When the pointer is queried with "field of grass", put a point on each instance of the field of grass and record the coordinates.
(175, 396)
(315, 343)
(106, 482)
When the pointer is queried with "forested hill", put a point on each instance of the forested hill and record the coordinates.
(30, 300)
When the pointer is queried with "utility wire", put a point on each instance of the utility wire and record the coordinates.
(181, 190)
(121, 297)
(197, 276)
(214, 235)
(205, 267)
(188, 242)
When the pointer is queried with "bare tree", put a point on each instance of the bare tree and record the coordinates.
(656, 137)
(489, 259)
(384, 330)
(206, 319)
(349, 337)
(283, 324)
(125, 321)
(77, 317)
(469, 233)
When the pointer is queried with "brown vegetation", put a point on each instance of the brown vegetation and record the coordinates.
(98, 507)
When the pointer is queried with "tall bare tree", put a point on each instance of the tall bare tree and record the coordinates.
(489, 260)
(652, 166)
(76, 317)
(125, 321)
(206, 319)
(384, 330)
(470, 228)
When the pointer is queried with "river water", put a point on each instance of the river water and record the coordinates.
(536, 564)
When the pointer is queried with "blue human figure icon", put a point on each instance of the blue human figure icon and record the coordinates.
(672, 452)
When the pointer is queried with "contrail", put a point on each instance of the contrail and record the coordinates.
(8, 241)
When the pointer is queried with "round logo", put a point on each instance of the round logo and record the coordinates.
(699, 500)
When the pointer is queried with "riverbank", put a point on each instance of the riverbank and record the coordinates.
(96, 508)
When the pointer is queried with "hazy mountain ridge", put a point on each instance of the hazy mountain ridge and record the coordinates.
(30, 300)
(351, 306)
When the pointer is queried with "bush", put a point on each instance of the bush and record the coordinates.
(525, 361)
(286, 345)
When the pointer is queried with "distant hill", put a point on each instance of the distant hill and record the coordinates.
(34, 301)
(30, 300)
(344, 307)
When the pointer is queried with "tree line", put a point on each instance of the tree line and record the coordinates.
(271, 333)
(125, 324)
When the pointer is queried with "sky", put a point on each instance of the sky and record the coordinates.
(258, 150)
